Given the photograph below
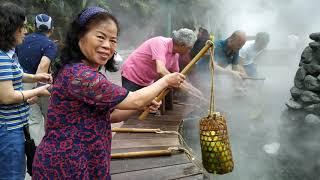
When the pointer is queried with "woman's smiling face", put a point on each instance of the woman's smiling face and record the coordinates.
(99, 44)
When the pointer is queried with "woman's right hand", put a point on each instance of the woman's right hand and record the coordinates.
(43, 90)
(174, 79)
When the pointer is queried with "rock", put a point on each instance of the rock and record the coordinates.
(316, 57)
(301, 73)
(293, 115)
(306, 55)
(314, 45)
(311, 68)
(312, 119)
(298, 83)
(313, 108)
(291, 104)
(310, 97)
(311, 83)
(298, 79)
(315, 36)
(295, 92)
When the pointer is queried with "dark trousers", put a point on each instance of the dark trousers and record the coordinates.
(129, 85)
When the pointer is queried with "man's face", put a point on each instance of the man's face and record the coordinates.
(236, 44)
(260, 45)
(184, 49)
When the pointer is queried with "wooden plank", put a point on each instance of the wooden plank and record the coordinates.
(178, 110)
(166, 117)
(158, 121)
(142, 136)
(195, 176)
(153, 126)
(129, 143)
(168, 172)
(134, 149)
(135, 164)
(162, 107)
(169, 101)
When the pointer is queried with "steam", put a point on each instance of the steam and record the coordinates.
(259, 121)
(279, 18)
(293, 142)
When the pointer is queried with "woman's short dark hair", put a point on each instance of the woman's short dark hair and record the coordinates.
(12, 18)
(71, 52)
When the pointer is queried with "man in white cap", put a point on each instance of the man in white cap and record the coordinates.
(35, 55)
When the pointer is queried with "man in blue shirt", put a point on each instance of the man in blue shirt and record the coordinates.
(227, 52)
(35, 55)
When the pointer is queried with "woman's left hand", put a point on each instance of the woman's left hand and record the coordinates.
(43, 77)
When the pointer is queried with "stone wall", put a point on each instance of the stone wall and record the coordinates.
(306, 90)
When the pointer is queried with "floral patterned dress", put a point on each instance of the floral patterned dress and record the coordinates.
(77, 143)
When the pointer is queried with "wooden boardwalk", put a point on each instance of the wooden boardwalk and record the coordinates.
(177, 166)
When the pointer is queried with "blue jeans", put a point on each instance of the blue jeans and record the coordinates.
(12, 157)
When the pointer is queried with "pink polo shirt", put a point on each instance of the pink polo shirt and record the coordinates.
(140, 66)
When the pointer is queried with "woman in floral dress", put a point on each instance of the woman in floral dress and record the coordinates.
(84, 103)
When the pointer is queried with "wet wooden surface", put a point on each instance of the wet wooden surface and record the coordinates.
(177, 166)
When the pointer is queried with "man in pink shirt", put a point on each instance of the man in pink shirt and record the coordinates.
(155, 58)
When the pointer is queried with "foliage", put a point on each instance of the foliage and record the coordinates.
(151, 16)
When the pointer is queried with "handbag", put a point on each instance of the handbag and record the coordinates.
(30, 149)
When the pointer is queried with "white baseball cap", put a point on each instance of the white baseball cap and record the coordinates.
(43, 21)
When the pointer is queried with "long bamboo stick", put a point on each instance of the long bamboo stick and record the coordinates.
(184, 71)
(254, 78)
(135, 130)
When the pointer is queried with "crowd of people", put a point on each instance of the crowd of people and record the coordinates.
(69, 110)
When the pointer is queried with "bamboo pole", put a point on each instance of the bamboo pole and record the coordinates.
(141, 154)
(254, 78)
(185, 71)
(135, 130)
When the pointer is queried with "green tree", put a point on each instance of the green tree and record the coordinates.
(139, 19)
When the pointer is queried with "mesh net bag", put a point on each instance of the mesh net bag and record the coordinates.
(215, 145)
(214, 139)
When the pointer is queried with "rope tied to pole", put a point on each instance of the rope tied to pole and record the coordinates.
(214, 140)
(212, 101)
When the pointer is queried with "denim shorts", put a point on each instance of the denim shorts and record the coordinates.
(12, 157)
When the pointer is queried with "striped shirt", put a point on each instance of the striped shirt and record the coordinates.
(14, 116)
